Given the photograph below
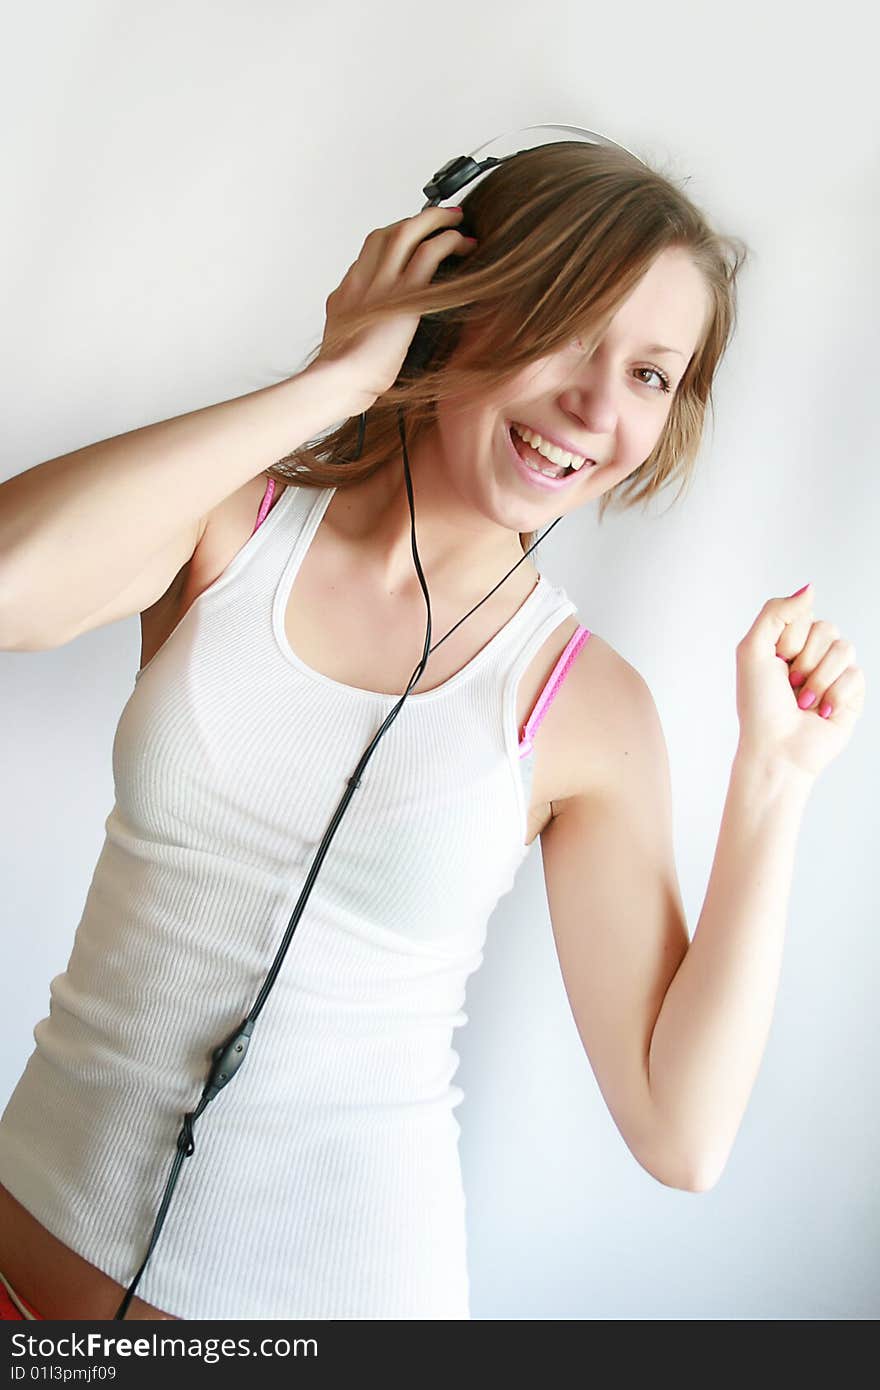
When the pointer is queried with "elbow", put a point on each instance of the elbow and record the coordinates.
(706, 1173)
(16, 635)
(6, 608)
(702, 1177)
(11, 636)
(677, 1161)
(692, 1180)
(683, 1175)
(683, 1183)
(702, 1183)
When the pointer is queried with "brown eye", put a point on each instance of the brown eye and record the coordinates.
(657, 372)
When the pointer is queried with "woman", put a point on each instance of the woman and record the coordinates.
(591, 313)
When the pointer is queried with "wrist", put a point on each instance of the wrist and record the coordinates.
(772, 775)
(334, 378)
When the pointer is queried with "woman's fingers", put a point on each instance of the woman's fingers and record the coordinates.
(387, 250)
(816, 684)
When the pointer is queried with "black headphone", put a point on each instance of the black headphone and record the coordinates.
(229, 1055)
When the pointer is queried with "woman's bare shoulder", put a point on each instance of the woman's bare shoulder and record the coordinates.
(598, 689)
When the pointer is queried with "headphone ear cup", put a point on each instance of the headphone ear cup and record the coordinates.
(422, 347)
(431, 331)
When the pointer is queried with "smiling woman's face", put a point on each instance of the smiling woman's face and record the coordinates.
(610, 407)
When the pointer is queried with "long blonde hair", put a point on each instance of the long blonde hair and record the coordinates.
(565, 232)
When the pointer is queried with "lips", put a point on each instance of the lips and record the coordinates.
(565, 445)
(539, 480)
(530, 454)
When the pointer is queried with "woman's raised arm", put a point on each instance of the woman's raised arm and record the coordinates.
(126, 514)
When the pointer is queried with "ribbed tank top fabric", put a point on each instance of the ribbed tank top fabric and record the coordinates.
(326, 1180)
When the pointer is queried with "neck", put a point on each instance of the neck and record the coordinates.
(460, 549)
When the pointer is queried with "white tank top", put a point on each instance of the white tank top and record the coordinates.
(325, 1181)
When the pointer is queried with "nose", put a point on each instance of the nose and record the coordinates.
(593, 407)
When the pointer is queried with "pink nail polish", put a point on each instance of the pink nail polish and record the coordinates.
(806, 698)
(796, 677)
(825, 710)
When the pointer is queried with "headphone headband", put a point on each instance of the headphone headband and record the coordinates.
(462, 169)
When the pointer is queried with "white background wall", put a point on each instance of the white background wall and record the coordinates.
(184, 184)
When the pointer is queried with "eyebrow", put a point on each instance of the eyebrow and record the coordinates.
(658, 347)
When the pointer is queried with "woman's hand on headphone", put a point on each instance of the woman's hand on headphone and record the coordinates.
(406, 253)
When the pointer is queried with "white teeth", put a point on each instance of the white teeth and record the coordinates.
(561, 457)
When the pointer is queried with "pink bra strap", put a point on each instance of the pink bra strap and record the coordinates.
(265, 504)
(551, 689)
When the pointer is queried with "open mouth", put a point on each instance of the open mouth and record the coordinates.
(533, 464)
